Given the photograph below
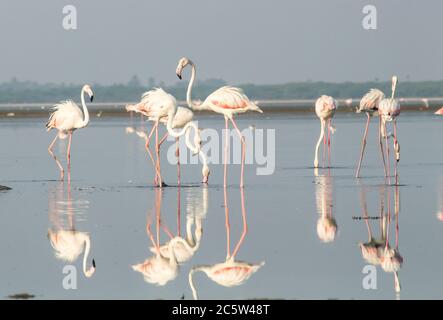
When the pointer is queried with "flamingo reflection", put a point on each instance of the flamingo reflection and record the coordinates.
(230, 272)
(67, 242)
(440, 212)
(158, 269)
(378, 251)
(326, 223)
(184, 248)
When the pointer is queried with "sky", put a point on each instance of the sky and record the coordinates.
(240, 41)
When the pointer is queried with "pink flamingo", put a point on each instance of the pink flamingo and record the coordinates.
(226, 101)
(325, 108)
(389, 110)
(230, 272)
(370, 104)
(67, 118)
(160, 106)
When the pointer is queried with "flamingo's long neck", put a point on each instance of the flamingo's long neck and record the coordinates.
(85, 109)
(181, 132)
(322, 132)
(189, 91)
(394, 86)
(190, 85)
(205, 269)
(88, 273)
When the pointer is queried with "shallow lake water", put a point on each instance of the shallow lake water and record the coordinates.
(111, 205)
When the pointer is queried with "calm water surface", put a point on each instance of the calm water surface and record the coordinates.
(111, 205)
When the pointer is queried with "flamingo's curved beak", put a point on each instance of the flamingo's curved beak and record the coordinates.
(179, 76)
(92, 98)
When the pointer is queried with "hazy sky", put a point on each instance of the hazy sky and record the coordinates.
(254, 41)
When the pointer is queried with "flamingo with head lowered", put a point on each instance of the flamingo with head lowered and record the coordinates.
(227, 101)
(161, 107)
(67, 118)
(389, 110)
(325, 108)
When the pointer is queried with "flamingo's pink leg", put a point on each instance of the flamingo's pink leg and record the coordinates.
(177, 154)
(363, 145)
(395, 146)
(225, 174)
(329, 143)
(157, 151)
(243, 152)
(62, 171)
(148, 150)
(68, 153)
(388, 154)
(245, 224)
(324, 149)
(381, 146)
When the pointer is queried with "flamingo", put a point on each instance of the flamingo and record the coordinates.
(326, 223)
(439, 111)
(230, 272)
(325, 108)
(68, 243)
(227, 101)
(67, 118)
(389, 110)
(370, 104)
(160, 106)
(182, 120)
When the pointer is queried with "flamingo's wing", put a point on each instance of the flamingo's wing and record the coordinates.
(65, 117)
(370, 100)
(230, 98)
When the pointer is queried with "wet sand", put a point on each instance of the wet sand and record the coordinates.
(111, 199)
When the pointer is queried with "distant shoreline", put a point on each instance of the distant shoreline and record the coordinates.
(268, 106)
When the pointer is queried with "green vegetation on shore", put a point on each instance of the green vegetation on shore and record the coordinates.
(15, 91)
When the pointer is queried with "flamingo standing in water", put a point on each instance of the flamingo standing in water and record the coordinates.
(182, 120)
(389, 110)
(160, 106)
(230, 272)
(325, 108)
(226, 101)
(67, 118)
(369, 104)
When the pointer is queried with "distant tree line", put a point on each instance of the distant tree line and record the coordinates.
(15, 91)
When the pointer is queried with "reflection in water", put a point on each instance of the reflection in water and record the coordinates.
(163, 266)
(68, 243)
(326, 223)
(378, 251)
(230, 272)
(440, 210)
(196, 209)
